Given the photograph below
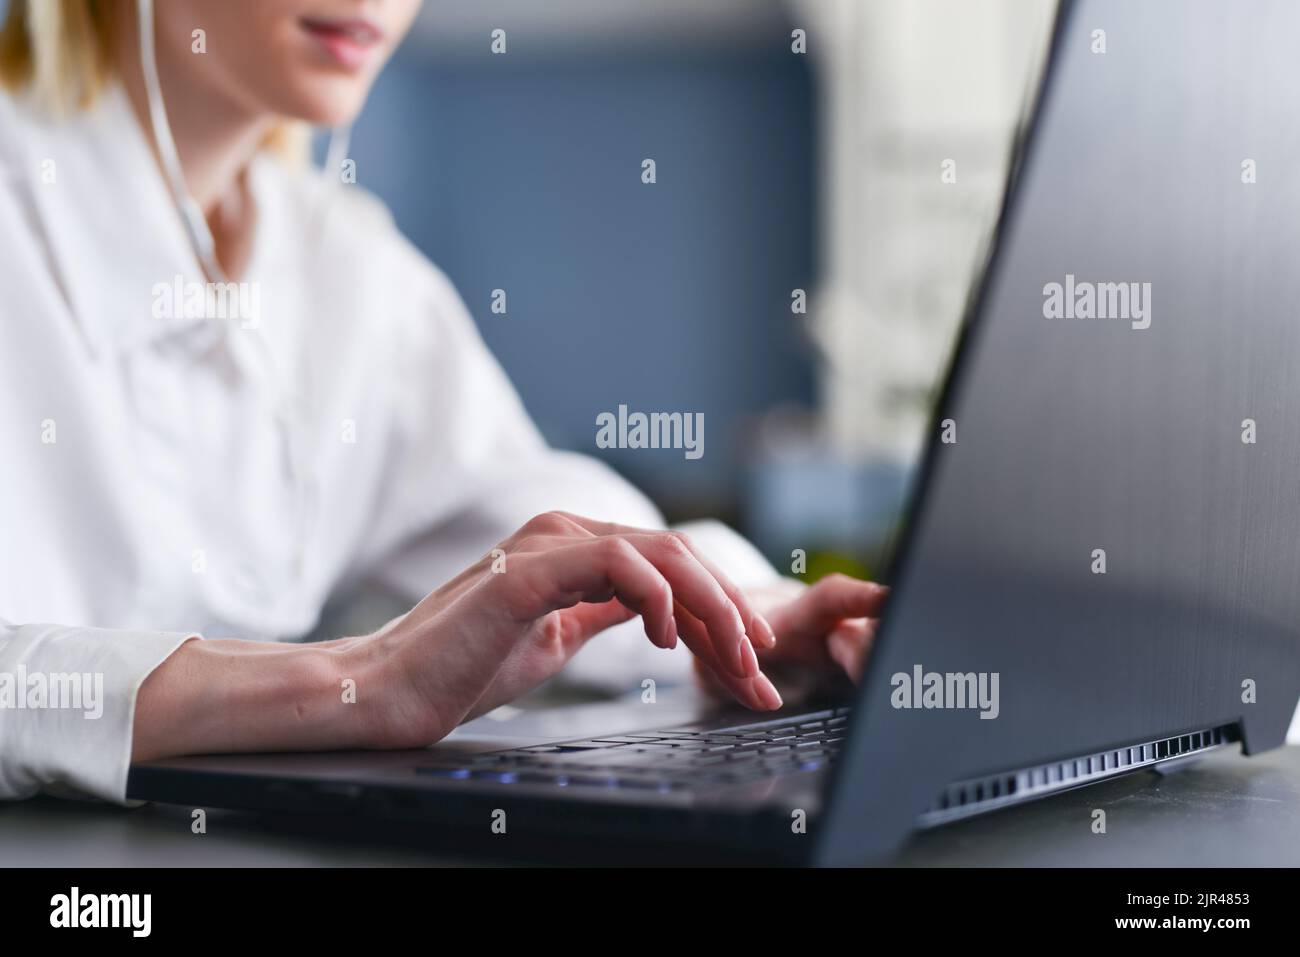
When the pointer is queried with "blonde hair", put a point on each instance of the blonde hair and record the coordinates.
(62, 51)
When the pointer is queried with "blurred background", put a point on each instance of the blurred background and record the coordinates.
(827, 174)
(854, 150)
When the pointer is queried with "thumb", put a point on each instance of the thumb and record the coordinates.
(589, 619)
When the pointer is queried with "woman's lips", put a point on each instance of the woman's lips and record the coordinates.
(348, 42)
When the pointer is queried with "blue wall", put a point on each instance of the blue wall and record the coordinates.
(673, 296)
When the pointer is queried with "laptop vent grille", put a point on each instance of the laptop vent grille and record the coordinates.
(976, 795)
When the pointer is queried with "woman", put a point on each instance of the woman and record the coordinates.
(173, 470)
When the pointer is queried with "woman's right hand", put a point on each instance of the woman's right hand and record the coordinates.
(489, 635)
(516, 617)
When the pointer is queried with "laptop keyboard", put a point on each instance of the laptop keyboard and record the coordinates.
(675, 759)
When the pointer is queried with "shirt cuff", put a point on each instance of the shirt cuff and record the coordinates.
(67, 706)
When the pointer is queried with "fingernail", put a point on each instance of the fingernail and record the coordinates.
(767, 692)
(765, 633)
(748, 659)
(672, 632)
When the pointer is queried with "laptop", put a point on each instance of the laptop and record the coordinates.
(1100, 568)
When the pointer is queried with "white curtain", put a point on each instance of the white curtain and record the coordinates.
(919, 99)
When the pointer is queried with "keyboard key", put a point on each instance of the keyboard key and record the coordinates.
(673, 759)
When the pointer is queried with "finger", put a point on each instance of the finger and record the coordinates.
(703, 596)
(837, 597)
(549, 523)
(593, 570)
(756, 626)
(757, 692)
(592, 619)
(612, 613)
(848, 645)
(689, 583)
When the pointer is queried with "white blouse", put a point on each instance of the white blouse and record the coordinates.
(165, 474)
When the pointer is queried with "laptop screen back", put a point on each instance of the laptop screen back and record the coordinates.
(1109, 534)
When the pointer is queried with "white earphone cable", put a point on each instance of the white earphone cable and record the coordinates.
(204, 247)
(195, 225)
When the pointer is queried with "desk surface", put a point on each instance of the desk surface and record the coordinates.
(1225, 811)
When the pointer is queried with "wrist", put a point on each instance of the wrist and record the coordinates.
(234, 696)
(391, 710)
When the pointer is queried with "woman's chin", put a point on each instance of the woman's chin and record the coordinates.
(326, 103)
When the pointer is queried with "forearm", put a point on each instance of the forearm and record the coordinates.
(229, 695)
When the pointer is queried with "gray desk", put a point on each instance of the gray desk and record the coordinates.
(1227, 810)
